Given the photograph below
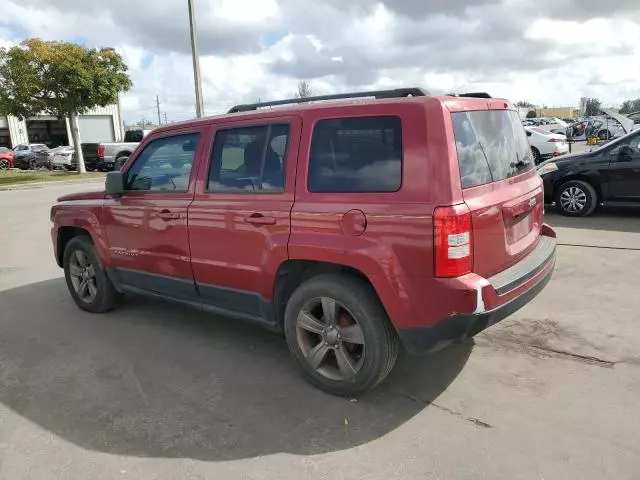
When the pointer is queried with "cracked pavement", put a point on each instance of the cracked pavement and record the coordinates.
(153, 391)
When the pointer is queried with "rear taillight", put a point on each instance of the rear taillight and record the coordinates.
(555, 140)
(100, 151)
(453, 238)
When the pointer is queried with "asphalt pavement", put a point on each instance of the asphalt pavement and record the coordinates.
(153, 391)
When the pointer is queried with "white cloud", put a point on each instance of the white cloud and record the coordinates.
(548, 52)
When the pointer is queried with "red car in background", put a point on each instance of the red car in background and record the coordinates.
(6, 158)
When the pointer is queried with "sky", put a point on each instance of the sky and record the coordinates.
(548, 52)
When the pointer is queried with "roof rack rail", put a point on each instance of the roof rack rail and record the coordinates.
(395, 93)
(470, 95)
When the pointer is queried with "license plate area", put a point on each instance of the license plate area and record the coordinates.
(519, 227)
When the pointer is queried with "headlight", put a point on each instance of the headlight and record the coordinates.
(548, 168)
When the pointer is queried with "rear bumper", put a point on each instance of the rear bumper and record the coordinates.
(507, 292)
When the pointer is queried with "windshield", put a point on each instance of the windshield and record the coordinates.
(492, 146)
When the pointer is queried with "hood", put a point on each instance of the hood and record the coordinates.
(99, 195)
(626, 122)
(568, 158)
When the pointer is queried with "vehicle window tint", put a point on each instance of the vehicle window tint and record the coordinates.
(361, 154)
(629, 149)
(164, 164)
(134, 136)
(249, 159)
(491, 145)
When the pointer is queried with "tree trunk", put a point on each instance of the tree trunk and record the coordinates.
(75, 134)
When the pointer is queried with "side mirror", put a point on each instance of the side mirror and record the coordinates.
(114, 184)
(528, 133)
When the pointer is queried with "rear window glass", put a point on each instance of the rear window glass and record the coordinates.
(492, 146)
(361, 154)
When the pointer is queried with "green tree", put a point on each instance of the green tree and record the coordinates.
(593, 107)
(630, 106)
(304, 90)
(524, 104)
(59, 79)
(531, 114)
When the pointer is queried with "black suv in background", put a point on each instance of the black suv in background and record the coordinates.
(608, 175)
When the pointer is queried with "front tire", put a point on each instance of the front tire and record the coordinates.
(88, 283)
(4, 164)
(576, 198)
(339, 335)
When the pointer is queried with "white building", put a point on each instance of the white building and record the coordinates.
(101, 124)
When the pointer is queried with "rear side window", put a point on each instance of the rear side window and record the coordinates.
(492, 146)
(362, 154)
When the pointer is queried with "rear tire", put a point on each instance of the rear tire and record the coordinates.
(343, 367)
(4, 164)
(88, 283)
(536, 155)
(604, 135)
(576, 198)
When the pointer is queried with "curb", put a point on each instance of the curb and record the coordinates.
(29, 186)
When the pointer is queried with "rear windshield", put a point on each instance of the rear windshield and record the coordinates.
(492, 146)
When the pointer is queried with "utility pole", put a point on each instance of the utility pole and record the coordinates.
(165, 117)
(158, 107)
(196, 61)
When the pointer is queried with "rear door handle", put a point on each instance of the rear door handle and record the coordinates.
(259, 219)
(168, 215)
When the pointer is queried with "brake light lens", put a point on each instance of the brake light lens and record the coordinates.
(555, 140)
(453, 241)
(100, 151)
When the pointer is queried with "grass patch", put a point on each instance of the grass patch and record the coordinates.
(20, 177)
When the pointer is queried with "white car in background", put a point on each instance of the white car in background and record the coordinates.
(61, 157)
(545, 144)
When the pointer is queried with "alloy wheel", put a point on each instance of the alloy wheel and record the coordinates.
(330, 338)
(573, 199)
(4, 165)
(83, 276)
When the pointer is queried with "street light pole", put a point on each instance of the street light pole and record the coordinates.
(196, 61)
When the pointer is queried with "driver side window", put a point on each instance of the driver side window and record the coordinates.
(629, 151)
(165, 164)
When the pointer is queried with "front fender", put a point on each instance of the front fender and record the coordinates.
(87, 219)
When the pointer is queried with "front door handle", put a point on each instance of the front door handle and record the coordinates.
(259, 219)
(168, 215)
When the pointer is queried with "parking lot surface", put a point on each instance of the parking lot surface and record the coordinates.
(153, 391)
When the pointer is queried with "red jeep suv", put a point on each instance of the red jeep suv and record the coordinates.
(350, 223)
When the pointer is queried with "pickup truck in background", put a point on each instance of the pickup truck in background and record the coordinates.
(103, 156)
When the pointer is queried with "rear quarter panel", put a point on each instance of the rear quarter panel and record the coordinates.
(398, 240)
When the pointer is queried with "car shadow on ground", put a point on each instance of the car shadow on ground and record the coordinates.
(609, 220)
(154, 380)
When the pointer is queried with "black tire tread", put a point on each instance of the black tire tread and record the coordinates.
(362, 294)
(537, 158)
(108, 298)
